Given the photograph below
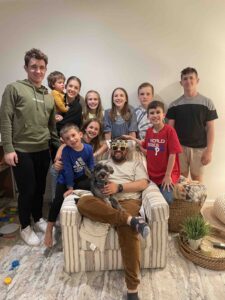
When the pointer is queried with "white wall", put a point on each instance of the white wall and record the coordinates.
(123, 43)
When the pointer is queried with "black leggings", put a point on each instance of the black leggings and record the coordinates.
(82, 183)
(30, 175)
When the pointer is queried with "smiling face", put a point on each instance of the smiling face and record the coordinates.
(119, 99)
(36, 70)
(72, 138)
(72, 89)
(145, 96)
(59, 85)
(92, 101)
(156, 117)
(119, 150)
(92, 130)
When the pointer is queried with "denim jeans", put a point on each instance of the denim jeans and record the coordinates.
(168, 195)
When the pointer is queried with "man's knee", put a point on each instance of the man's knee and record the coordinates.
(82, 202)
(85, 202)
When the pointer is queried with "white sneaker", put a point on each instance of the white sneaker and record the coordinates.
(41, 225)
(29, 236)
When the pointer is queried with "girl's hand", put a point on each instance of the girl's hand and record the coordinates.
(58, 165)
(58, 118)
(167, 183)
(127, 137)
(110, 188)
(67, 193)
(59, 152)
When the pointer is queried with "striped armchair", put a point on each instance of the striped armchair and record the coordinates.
(78, 253)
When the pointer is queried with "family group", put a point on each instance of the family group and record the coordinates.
(75, 132)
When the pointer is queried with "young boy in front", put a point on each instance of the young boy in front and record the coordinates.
(193, 117)
(145, 96)
(162, 145)
(75, 156)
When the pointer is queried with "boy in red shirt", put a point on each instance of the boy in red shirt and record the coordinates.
(163, 146)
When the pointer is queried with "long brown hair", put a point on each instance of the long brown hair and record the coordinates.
(99, 109)
(95, 142)
(125, 112)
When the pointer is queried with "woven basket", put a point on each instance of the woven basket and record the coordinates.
(198, 258)
(179, 210)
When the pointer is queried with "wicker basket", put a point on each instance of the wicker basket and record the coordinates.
(198, 258)
(179, 210)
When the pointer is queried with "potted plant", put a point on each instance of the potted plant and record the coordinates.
(195, 228)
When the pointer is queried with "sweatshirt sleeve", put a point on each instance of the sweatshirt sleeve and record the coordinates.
(7, 111)
(52, 129)
(90, 162)
(68, 168)
(59, 101)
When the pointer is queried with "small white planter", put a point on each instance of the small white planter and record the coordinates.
(194, 244)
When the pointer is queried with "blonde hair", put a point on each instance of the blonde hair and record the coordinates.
(99, 109)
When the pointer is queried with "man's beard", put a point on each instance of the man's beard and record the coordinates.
(119, 159)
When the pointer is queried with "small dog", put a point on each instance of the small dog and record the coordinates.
(99, 178)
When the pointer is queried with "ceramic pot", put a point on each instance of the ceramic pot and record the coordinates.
(194, 244)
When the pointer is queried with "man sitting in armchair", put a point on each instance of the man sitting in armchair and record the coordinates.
(126, 184)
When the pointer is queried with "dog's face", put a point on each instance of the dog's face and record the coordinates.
(102, 172)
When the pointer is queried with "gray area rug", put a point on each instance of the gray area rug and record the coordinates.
(40, 276)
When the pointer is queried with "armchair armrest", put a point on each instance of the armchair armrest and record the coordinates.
(155, 206)
(69, 215)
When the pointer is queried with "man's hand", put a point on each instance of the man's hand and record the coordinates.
(167, 183)
(67, 193)
(58, 165)
(110, 188)
(206, 157)
(11, 159)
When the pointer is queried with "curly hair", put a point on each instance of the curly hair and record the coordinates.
(53, 77)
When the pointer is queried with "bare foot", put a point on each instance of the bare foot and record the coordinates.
(48, 241)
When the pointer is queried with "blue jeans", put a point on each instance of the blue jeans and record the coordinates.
(168, 195)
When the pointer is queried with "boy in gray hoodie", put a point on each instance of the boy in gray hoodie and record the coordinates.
(27, 125)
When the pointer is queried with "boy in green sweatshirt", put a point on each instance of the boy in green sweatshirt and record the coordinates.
(27, 125)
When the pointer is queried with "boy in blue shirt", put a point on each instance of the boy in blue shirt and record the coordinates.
(75, 156)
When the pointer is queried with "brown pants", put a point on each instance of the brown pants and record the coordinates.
(97, 210)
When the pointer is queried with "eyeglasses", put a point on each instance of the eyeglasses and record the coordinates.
(122, 148)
